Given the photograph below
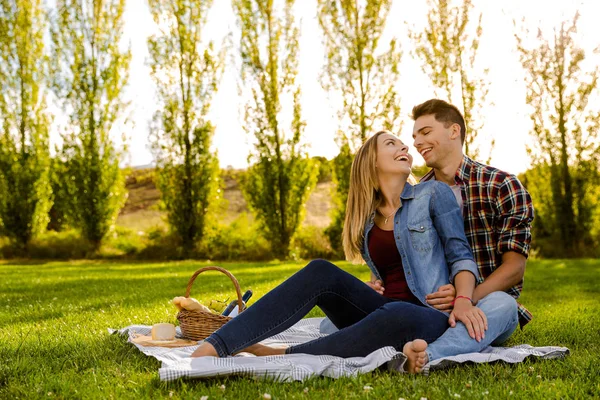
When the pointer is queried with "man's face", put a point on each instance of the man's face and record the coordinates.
(434, 141)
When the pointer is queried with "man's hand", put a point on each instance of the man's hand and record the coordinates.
(443, 298)
(473, 317)
(376, 285)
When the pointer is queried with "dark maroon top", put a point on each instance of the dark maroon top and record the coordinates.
(385, 256)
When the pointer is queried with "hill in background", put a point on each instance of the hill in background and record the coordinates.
(141, 211)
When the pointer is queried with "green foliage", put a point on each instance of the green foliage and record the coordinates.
(279, 181)
(358, 68)
(187, 74)
(65, 245)
(363, 73)
(89, 72)
(341, 173)
(448, 48)
(561, 90)
(546, 233)
(240, 240)
(325, 169)
(309, 243)
(25, 193)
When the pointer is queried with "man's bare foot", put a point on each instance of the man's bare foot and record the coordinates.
(205, 349)
(262, 350)
(416, 355)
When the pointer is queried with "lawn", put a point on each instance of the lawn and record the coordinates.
(54, 341)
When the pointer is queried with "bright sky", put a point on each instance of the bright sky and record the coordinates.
(506, 114)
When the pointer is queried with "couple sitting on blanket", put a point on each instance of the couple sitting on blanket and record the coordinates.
(413, 239)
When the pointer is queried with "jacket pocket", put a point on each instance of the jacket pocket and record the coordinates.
(422, 235)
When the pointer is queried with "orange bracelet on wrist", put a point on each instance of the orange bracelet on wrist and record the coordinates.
(462, 297)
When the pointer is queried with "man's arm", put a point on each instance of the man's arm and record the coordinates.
(507, 275)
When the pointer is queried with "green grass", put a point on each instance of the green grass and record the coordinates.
(54, 341)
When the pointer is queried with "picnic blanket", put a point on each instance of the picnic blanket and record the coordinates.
(177, 363)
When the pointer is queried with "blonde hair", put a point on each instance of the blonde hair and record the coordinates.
(363, 197)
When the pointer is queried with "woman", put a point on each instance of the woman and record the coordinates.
(412, 239)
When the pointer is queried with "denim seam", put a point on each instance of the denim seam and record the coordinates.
(217, 345)
(293, 314)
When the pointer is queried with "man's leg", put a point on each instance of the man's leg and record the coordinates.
(502, 316)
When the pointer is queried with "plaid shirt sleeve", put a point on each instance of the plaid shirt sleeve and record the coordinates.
(516, 215)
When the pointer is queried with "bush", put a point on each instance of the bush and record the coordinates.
(50, 245)
(311, 242)
(240, 240)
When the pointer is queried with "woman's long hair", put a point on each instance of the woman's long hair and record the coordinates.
(363, 197)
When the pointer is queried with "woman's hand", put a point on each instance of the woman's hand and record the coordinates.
(376, 285)
(473, 318)
(443, 298)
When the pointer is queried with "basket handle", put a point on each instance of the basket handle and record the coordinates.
(223, 270)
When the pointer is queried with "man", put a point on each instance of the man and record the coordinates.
(497, 212)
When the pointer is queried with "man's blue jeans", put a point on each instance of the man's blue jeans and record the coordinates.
(366, 320)
(502, 316)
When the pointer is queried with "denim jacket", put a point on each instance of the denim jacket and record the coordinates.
(430, 238)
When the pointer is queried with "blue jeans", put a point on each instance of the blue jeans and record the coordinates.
(501, 311)
(366, 320)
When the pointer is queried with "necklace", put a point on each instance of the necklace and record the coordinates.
(388, 217)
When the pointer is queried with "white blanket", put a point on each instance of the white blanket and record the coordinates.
(177, 363)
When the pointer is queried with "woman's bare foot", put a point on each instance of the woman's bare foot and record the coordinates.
(205, 349)
(262, 350)
(416, 355)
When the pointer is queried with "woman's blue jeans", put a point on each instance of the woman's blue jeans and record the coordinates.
(366, 320)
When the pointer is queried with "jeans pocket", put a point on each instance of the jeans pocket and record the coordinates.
(422, 235)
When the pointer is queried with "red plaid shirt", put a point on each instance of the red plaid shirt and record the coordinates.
(498, 211)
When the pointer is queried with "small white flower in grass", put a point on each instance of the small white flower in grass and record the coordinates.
(204, 398)
(367, 388)
(267, 396)
(423, 398)
(401, 398)
(222, 387)
(457, 395)
(171, 393)
(486, 393)
(49, 393)
(531, 369)
(539, 377)
(510, 393)
(305, 390)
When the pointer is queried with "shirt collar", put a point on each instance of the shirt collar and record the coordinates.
(462, 173)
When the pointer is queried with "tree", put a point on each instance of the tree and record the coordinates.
(25, 193)
(364, 74)
(566, 125)
(448, 48)
(281, 175)
(90, 71)
(186, 74)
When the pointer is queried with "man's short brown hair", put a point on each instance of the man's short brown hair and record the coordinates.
(443, 112)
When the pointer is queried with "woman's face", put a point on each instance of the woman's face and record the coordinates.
(392, 156)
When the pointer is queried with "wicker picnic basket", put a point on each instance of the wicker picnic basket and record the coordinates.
(198, 325)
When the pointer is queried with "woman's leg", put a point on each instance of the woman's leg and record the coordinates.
(393, 324)
(342, 297)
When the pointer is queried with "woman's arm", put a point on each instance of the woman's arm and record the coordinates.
(473, 317)
(449, 224)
